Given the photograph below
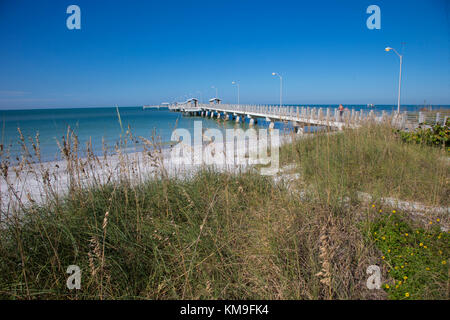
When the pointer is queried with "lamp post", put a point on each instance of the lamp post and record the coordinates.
(217, 91)
(237, 84)
(387, 49)
(281, 87)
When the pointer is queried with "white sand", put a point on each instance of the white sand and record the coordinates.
(42, 181)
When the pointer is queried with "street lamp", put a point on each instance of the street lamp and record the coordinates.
(217, 91)
(387, 49)
(237, 84)
(281, 87)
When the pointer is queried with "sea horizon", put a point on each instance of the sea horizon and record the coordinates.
(381, 106)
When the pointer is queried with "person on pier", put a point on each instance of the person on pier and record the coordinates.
(341, 111)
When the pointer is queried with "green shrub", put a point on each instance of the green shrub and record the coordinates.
(437, 135)
(416, 258)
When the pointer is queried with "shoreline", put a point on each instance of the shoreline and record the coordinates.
(35, 183)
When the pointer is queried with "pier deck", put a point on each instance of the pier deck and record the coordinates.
(306, 116)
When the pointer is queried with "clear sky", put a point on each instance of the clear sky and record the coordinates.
(145, 52)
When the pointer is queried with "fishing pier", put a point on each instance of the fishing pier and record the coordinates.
(300, 117)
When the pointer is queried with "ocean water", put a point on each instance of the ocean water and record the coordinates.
(93, 124)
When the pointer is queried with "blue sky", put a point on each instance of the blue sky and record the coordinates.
(145, 52)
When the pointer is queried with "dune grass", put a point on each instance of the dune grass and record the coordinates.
(372, 160)
(224, 235)
(217, 236)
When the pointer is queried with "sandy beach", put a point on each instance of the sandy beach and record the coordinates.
(38, 182)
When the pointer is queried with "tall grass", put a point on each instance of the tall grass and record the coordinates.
(213, 235)
(373, 160)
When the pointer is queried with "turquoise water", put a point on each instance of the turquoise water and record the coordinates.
(92, 124)
(98, 123)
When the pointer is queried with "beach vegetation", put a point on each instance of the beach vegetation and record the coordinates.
(308, 233)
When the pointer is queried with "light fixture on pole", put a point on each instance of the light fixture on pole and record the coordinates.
(237, 84)
(217, 91)
(201, 96)
(281, 87)
(387, 49)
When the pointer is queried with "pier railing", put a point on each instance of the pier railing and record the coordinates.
(323, 116)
